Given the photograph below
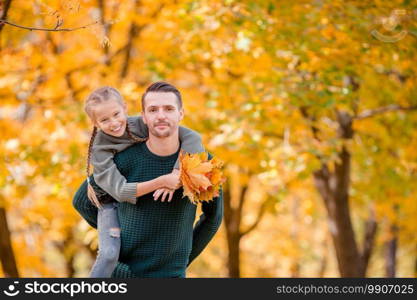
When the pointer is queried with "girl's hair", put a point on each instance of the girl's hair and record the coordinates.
(97, 97)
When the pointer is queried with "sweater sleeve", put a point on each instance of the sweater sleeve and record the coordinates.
(138, 127)
(207, 225)
(106, 174)
(190, 142)
(84, 206)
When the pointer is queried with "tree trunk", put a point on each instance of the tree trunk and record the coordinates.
(294, 234)
(391, 253)
(415, 264)
(69, 251)
(334, 189)
(7, 256)
(4, 9)
(340, 224)
(70, 267)
(233, 218)
(369, 241)
(233, 244)
(232, 222)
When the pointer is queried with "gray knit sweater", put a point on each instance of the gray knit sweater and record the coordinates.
(107, 175)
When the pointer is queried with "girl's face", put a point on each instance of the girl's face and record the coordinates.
(111, 117)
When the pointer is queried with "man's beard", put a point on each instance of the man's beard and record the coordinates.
(159, 134)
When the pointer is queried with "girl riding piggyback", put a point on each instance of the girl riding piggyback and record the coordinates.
(113, 132)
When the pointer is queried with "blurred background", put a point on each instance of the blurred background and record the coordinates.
(311, 105)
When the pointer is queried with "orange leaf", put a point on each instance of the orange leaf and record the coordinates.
(201, 178)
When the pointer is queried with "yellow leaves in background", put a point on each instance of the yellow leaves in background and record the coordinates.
(200, 177)
(243, 69)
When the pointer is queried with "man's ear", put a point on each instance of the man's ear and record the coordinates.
(143, 117)
(182, 112)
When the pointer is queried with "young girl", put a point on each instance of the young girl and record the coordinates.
(113, 132)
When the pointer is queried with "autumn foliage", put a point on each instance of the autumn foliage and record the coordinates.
(312, 112)
(201, 177)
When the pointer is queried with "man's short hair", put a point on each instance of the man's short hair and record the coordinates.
(162, 87)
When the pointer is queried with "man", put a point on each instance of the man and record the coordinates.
(157, 238)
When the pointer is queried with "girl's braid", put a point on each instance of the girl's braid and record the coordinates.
(90, 191)
(134, 137)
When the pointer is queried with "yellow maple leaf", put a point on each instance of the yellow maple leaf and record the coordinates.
(201, 177)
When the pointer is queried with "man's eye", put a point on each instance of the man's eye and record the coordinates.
(116, 114)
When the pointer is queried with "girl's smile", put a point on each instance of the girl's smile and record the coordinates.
(110, 117)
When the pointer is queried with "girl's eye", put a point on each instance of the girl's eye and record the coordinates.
(116, 114)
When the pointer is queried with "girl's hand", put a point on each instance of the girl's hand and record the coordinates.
(172, 180)
(164, 192)
(176, 172)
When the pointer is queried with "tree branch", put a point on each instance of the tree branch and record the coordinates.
(242, 199)
(135, 31)
(2, 22)
(380, 110)
(314, 129)
(273, 135)
(261, 212)
(82, 68)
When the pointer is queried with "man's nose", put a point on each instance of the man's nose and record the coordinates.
(161, 114)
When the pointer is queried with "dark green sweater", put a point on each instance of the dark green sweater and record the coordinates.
(157, 238)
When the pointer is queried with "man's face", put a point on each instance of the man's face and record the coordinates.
(162, 114)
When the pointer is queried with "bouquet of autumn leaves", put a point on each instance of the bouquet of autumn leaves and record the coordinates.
(201, 178)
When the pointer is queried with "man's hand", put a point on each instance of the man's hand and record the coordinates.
(164, 192)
